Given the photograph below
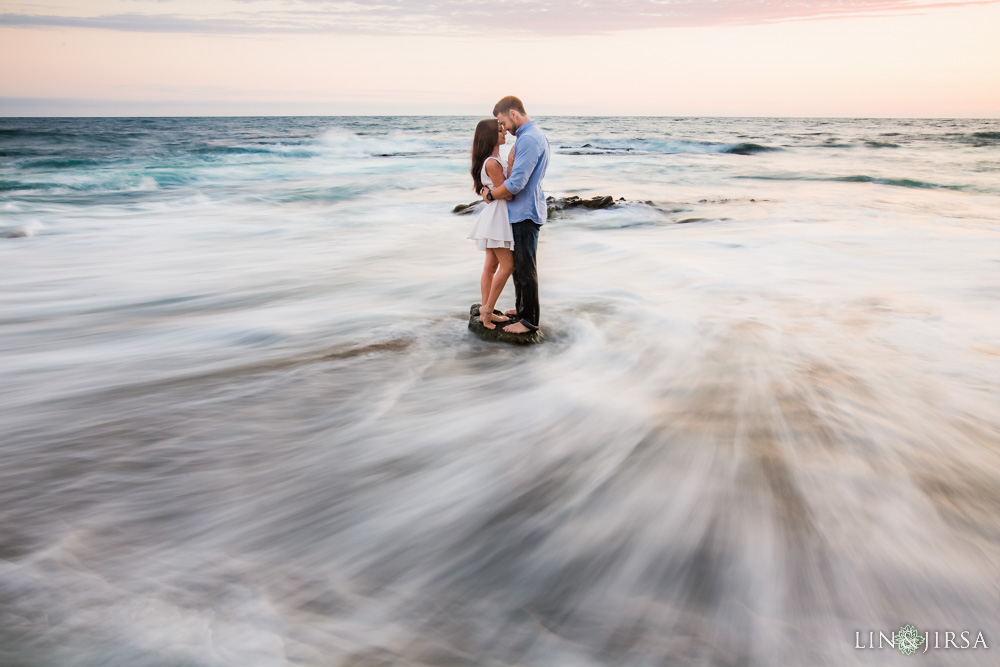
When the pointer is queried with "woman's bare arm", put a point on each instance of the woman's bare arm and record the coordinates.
(495, 172)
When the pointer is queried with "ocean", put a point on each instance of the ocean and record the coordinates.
(243, 421)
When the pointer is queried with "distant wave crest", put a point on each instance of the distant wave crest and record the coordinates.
(858, 178)
(665, 146)
(749, 149)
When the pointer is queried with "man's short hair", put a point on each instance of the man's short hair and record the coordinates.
(507, 104)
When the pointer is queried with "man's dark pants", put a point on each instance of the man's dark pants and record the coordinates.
(526, 272)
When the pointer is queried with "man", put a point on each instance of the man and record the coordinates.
(527, 210)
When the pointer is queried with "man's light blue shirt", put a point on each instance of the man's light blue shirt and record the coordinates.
(531, 159)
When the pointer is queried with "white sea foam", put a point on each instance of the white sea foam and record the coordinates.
(245, 423)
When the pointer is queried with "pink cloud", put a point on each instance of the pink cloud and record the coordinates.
(560, 17)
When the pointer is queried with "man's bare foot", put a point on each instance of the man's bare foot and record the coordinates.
(516, 328)
(510, 313)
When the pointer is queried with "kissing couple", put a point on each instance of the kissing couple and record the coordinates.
(507, 228)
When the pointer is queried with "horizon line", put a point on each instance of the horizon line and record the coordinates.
(405, 115)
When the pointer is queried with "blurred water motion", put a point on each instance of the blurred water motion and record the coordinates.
(244, 423)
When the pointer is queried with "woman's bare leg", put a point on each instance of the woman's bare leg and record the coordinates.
(490, 265)
(506, 259)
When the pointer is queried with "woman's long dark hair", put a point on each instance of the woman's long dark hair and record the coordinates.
(486, 139)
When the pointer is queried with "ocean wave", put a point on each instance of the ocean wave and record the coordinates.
(664, 146)
(22, 133)
(858, 178)
(67, 135)
(982, 139)
(128, 182)
(282, 150)
(324, 194)
(166, 178)
(749, 149)
(17, 186)
(243, 424)
(61, 163)
(344, 143)
(979, 139)
(896, 182)
(20, 231)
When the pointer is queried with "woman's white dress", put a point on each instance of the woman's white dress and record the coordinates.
(492, 227)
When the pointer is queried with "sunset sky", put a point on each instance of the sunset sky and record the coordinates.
(911, 58)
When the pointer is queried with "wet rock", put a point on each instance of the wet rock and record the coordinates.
(497, 333)
(13, 234)
(466, 209)
(729, 201)
(563, 203)
(686, 221)
(556, 205)
(560, 204)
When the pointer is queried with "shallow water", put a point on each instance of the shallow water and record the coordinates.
(244, 422)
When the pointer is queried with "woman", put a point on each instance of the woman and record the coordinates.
(492, 229)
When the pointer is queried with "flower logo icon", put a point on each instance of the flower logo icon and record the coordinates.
(908, 640)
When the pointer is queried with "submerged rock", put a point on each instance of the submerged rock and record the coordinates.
(555, 204)
(497, 333)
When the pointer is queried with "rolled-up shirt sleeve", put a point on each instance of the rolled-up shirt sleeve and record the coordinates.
(525, 159)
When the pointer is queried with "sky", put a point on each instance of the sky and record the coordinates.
(827, 58)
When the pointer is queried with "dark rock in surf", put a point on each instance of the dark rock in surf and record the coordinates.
(572, 202)
(466, 209)
(556, 205)
(560, 204)
(497, 333)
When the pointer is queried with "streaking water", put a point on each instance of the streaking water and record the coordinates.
(243, 422)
